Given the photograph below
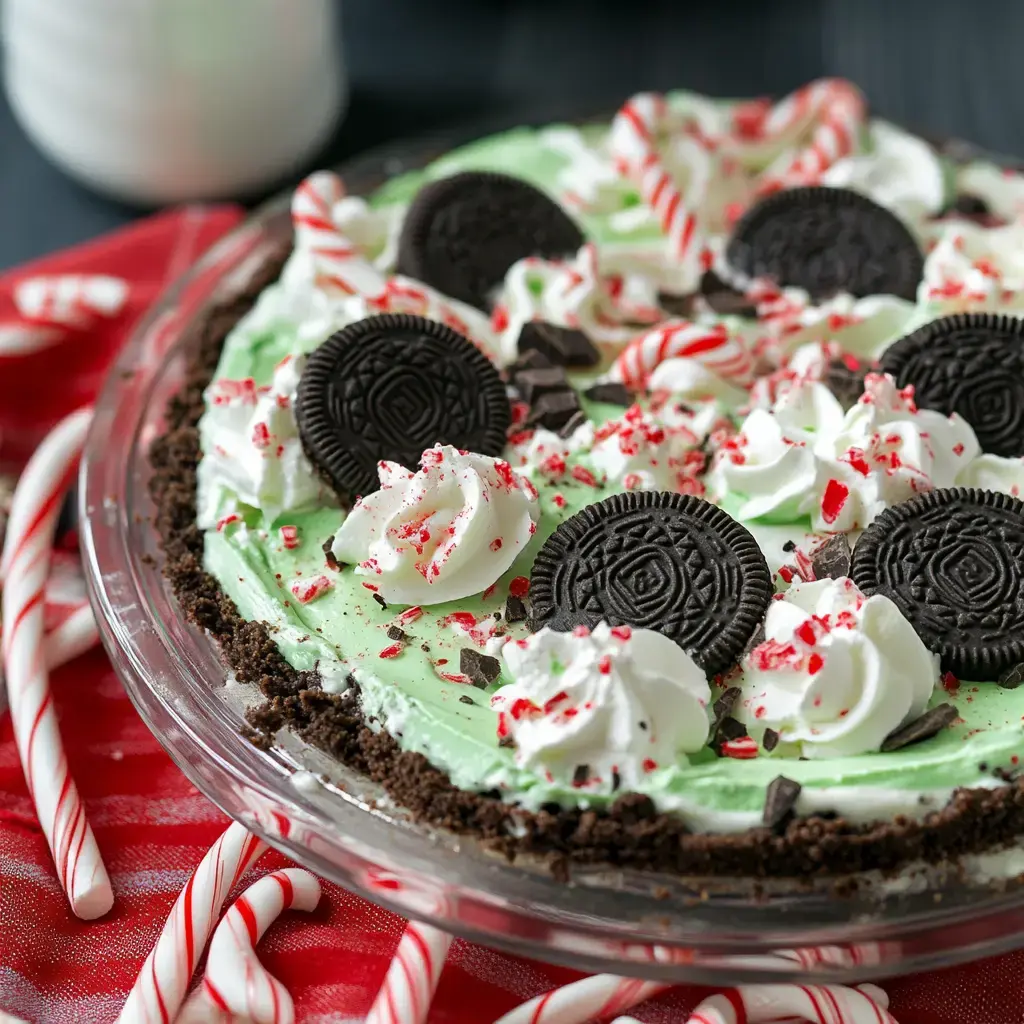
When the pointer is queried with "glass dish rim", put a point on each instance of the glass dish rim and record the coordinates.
(125, 593)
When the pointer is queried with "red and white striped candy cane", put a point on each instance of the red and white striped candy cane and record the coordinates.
(24, 567)
(596, 997)
(711, 345)
(839, 109)
(412, 978)
(163, 981)
(71, 300)
(634, 138)
(236, 983)
(817, 1004)
(18, 338)
(339, 266)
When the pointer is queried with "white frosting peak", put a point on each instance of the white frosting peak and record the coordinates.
(837, 671)
(251, 447)
(806, 456)
(442, 533)
(600, 710)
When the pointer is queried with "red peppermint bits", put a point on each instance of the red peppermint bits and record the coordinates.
(496, 544)
(392, 652)
(309, 590)
(604, 666)
(261, 436)
(584, 476)
(519, 586)
(410, 614)
(649, 764)
(228, 520)
(621, 632)
(833, 500)
(290, 537)
(815, 663)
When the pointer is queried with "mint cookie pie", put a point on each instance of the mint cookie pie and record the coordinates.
(642, 492)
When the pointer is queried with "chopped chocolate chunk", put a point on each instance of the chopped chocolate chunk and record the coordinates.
(731, 729)
(770, 740)
(581, 774)
(380, 600)
(466, 699)
(845, 379)
(724, 705)
(969, 205)
(616, 780)
(722, 298)
(506, 741)
(572, 424)
(481, 668)
(610, 392)
(553, 410)
(789, 546)
(515, 609)
(332, 560)
(425, 648)
(564, 346)
(531, 384)
(1012, 677)
(832, 559)
(677, 304)
(923, 728)
(397, 633)
(756, 638)
(779, 800)
(531, 359)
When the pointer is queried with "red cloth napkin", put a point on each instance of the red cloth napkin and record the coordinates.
(153, 827)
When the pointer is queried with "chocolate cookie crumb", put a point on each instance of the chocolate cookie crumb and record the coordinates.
(515, 609)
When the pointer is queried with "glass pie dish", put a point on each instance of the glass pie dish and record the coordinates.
(342, 826)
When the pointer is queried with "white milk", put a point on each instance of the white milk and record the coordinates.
(165, 100)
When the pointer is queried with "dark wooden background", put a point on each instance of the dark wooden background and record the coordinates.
(947, 67)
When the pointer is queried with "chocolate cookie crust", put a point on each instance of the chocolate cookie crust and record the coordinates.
(630, 833)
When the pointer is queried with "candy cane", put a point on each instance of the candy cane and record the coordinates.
(161, 985)
(712, 346)
(819, 1004)
(596, 997)
(25, 564)
(21, 339)
(236, 983)
(72, 638)
(839, 109)
(412, 977)
(71, 300)
(633, 140)
(338, 264)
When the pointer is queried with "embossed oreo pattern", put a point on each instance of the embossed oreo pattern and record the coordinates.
(462, 233)
(653, 560)
(390, 386)
(952, 561)
(827, 240)
(973, 364)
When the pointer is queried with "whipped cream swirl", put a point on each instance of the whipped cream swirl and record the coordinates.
(442, 533)
(973, 268)
(600, 710)
(252, 454)
(836, 673)
(806, 456)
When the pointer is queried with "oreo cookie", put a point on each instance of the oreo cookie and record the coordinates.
(952, 561)
(826, 240)
(390, 386)
(972, 364)
(463, 232)
(654, 560)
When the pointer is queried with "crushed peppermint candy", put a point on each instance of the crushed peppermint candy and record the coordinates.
(307, 590)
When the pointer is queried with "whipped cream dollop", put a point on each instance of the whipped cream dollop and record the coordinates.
(994, 473)
(897, 170)
(836, 673)
(974, 268)
(252, 454)
(443, 533)
(660, 446)
(1002, 190)
(806, 456)
(601, 709)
